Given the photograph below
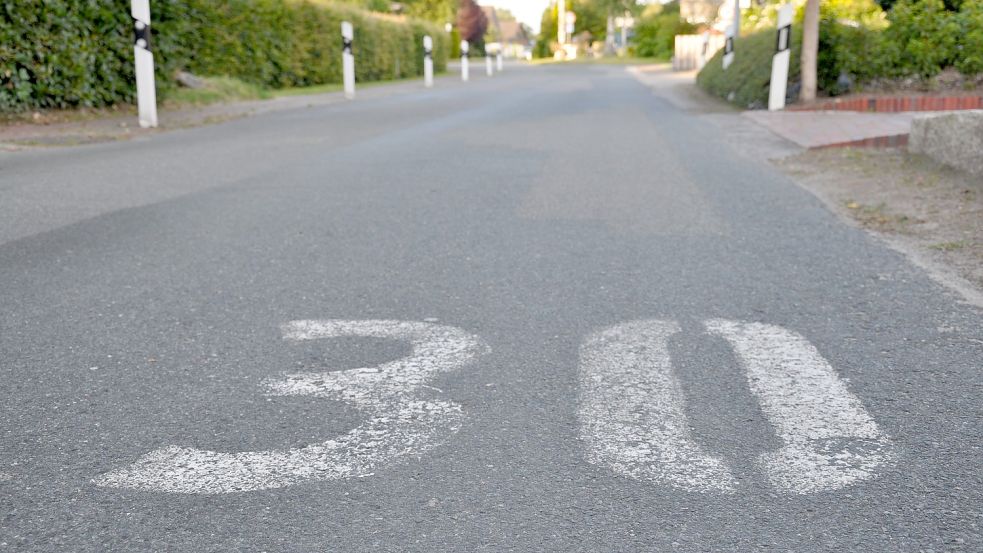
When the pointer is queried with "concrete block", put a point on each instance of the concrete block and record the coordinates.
(954, 138)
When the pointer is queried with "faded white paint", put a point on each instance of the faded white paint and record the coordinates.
(632, 416)
(830, 440)
(403, 417)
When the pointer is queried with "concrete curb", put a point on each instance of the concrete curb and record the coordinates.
(955, 139)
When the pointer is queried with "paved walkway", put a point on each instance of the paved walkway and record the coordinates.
(817, 129)
(813, 129)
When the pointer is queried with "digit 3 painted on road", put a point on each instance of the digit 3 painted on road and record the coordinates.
(403, 419)
(633, 419)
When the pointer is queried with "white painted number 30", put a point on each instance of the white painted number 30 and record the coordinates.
(633, 418)
(403, 418)
(632, 414)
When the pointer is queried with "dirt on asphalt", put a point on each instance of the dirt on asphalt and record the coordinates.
(928, 211)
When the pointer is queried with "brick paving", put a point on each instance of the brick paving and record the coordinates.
(895, 103)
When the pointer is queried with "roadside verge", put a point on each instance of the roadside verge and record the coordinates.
(77, 128)
(930, 213)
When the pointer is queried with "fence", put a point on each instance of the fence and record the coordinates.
(690, 53)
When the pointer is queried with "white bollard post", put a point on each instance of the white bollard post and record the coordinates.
(144, 59)
(731, 33)
(499, 62)
(428, 61)
(464, 61)
(780, 62)
(489, 70)
(348, 58)
(704, 49)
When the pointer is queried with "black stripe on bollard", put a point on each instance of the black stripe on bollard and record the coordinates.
(141, 34)
(782, 41)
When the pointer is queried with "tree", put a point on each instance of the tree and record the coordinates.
(810, 50)
(591, 17)
(612, 9)
(471, 21)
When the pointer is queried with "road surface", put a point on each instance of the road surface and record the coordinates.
(547, 311)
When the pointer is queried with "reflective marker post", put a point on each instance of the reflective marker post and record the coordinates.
(704, 49)
(732, 32)
(498, 59)
(780, 62)
(489, 70)
(144, 59)
(464, 60)
(348, 58)
(428, 61)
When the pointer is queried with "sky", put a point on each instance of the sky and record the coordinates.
(527, 11)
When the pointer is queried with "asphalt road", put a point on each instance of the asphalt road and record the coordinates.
(622, 335)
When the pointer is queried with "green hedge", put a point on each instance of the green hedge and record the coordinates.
(745, 83)
(921, 39)
(65, 53)
(655, 34)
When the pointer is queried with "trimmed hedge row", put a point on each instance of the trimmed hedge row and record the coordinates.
(923, 38)
(65, 53)
(920, 40)
(746, 82)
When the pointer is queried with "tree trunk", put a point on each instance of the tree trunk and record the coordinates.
(609, 37)
(810, 50)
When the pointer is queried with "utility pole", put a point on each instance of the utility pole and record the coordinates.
(810, 50)
(561, 22)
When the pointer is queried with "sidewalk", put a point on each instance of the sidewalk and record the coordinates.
(825, 129)
(808, 130)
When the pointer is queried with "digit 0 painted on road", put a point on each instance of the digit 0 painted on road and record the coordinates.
(403, 419)
(633, 417)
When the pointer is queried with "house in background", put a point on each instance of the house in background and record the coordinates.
(506, 34)
(700, 12)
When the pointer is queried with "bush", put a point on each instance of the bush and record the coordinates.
(970, 53)
(855, 51)
(655, 34)
(746, 81)
(922, 39)
(65, 53)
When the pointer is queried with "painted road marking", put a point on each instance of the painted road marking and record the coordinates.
(403, 419)
(632, 414)
(830, 440)
(633, 418)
